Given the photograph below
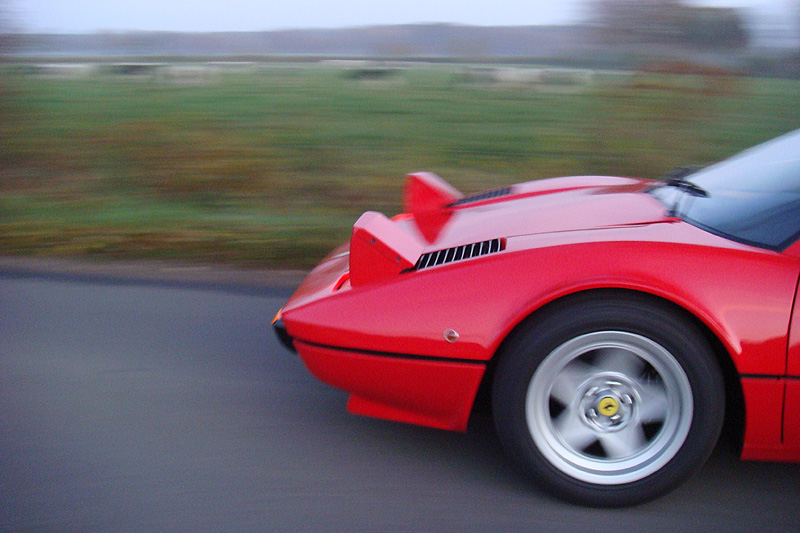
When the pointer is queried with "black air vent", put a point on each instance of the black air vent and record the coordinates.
(480, 197)
(459, 253)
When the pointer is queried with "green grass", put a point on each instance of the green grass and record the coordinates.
(271, 168)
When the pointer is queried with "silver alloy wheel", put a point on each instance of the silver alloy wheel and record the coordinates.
(609, 408)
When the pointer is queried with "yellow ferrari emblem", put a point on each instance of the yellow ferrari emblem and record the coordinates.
(608, 406)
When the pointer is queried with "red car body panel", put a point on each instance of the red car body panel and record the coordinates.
(387, 337)
(772, 419)
(791, 421)
(429, 393)
(793, 360)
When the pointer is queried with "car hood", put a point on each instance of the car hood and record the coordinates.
(544, 206)
(441, 225)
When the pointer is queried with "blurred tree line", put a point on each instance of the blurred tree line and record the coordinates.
(10, 111)
(5, 37)
(667, 22)
(782, 63)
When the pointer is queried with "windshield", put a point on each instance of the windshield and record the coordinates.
(753, 197)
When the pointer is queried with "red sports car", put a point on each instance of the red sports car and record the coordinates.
(617, 322)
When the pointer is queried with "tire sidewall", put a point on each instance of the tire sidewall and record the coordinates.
(524, 352)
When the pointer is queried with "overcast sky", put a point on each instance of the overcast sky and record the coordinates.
(76, 16)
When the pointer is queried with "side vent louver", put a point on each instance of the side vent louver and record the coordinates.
(459, 253)
(480, 197)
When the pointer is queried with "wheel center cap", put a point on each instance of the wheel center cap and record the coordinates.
(608, 406)
(607, 403)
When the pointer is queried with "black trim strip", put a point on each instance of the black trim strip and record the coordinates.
(481, 196)
(773, 248)
(283, 335)
(390, 355)
(762, 376)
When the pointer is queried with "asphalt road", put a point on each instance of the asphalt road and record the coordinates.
(170, 406)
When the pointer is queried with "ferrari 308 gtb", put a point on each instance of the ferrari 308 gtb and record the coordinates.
(617, 322)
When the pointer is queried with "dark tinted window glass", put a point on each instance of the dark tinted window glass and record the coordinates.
(770, 167)
(753, 197)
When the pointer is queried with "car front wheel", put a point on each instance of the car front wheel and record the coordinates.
(608, 402)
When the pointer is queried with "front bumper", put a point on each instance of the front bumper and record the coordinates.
(282, 334)
(423, 391)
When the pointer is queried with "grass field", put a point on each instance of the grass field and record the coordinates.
(271, 168)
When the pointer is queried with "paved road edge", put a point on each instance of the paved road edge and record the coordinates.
(146, 271)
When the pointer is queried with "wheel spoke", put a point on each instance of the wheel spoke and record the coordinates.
(573, 431)
(612, 408)
(623, 443)
(654, 404)
(618, 360)
(567, 382)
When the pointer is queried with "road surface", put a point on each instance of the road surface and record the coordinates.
(168, 406)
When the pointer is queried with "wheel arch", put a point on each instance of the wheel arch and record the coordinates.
(733, 428)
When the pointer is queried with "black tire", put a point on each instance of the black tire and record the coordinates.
(608, 401)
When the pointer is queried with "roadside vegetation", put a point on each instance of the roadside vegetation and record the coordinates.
(271, 167)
